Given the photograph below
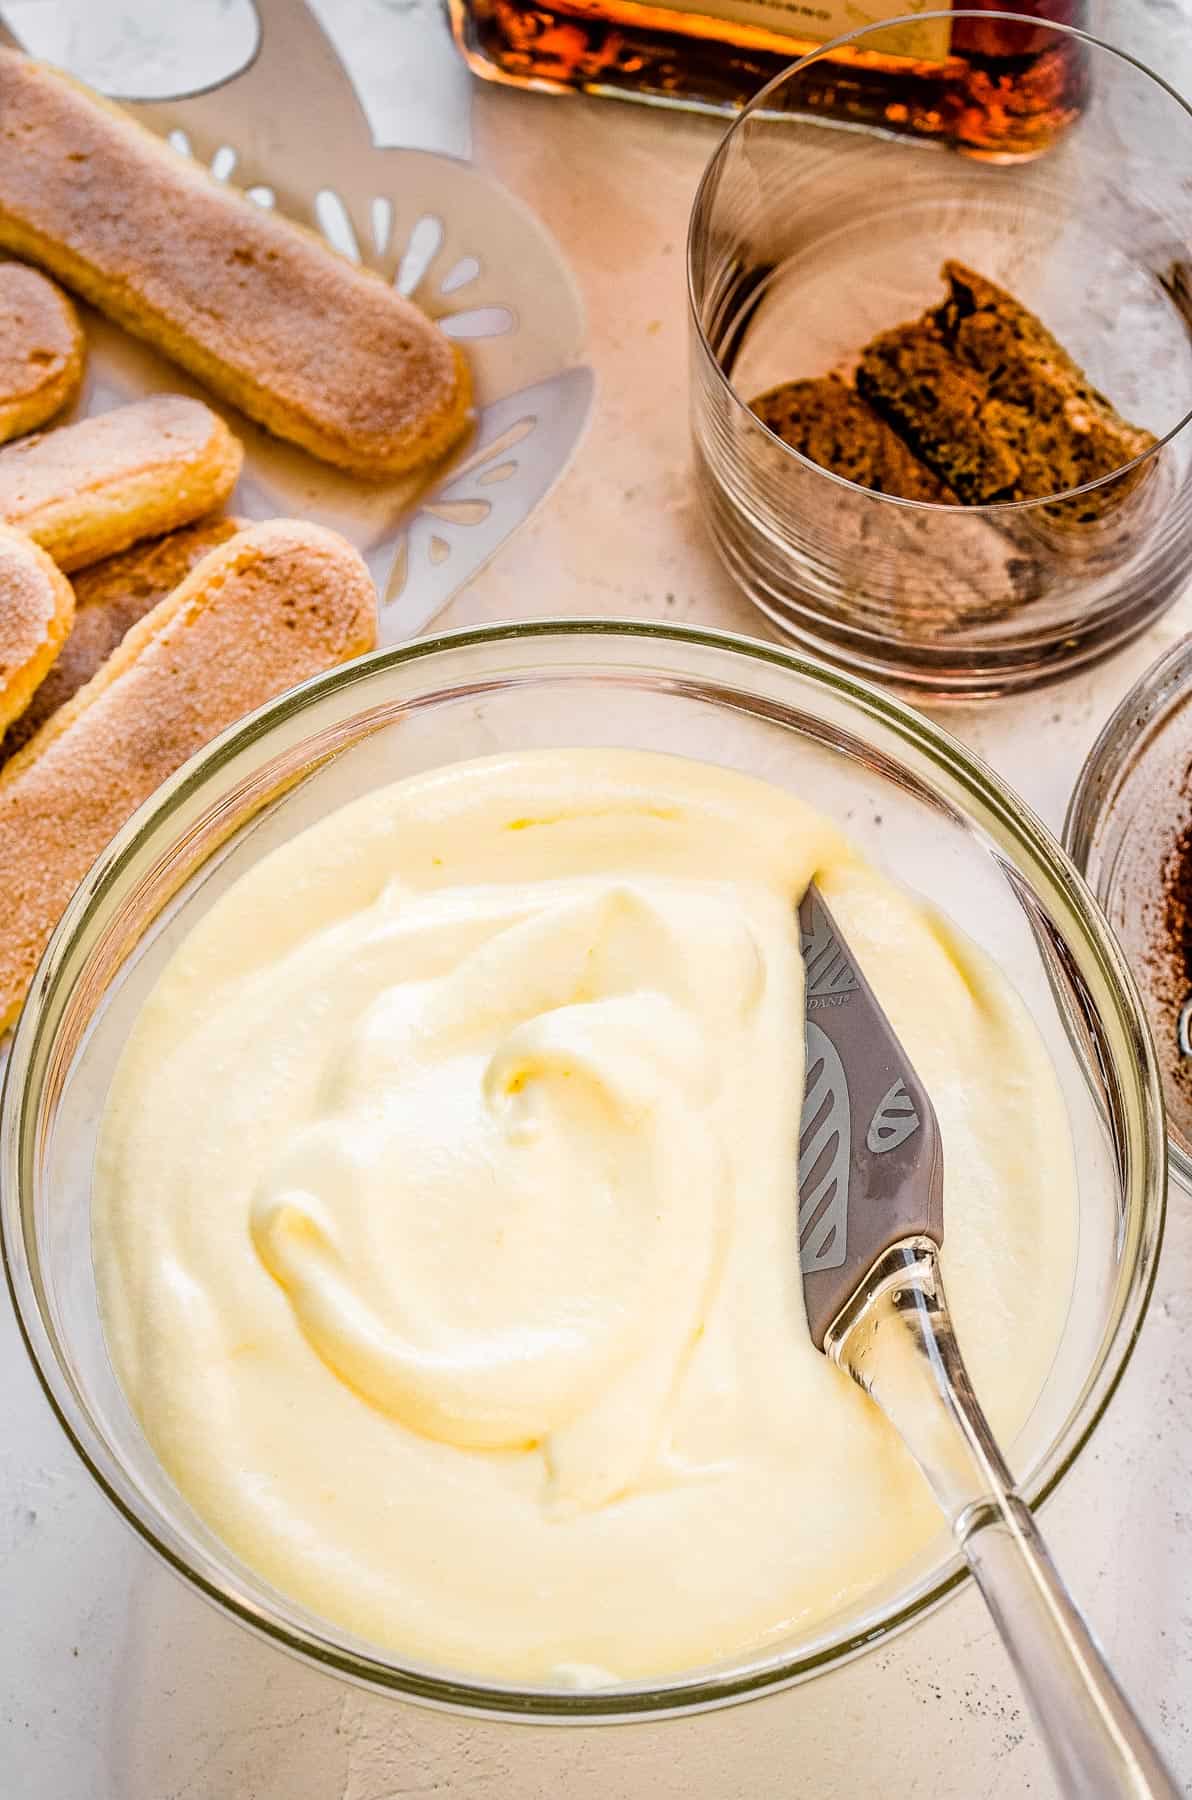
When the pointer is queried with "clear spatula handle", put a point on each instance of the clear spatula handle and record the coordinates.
(895, 1338)
(1093, 1735)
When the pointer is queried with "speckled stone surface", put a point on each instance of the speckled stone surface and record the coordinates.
(116, 1683)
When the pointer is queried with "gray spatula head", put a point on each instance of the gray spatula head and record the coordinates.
(870, 1164)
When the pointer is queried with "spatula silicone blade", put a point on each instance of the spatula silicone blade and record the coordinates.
(871, 1223)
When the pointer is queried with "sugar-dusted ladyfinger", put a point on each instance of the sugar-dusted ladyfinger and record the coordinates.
(41, 350)
(36, 608)
(267, 315)
(88, 490)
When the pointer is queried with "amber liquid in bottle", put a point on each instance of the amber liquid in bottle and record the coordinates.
(993, 88)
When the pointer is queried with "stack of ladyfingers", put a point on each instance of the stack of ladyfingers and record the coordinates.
(136, 622)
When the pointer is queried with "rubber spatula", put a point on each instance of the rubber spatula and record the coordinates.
(871, 1224)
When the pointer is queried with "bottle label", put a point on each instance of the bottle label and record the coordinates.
(819, 20)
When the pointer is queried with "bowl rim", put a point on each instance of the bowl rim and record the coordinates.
(994, 802)
(701, 205)
(1162, 688)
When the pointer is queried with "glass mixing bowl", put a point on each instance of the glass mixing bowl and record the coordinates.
(805, 243)
(911, 798)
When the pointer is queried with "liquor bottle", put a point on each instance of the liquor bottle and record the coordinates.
(997, 89)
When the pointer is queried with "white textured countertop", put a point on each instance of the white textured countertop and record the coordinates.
(116, 1682)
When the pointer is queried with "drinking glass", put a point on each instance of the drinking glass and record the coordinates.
(805, 243)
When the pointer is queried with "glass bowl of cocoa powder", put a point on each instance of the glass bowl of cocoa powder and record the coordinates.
(1129, 831)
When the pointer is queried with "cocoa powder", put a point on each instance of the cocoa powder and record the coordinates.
(1177, 906)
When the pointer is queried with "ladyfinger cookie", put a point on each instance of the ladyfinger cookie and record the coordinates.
(41, 350)
(88, 490)
(318, 350)
(37, 605)
(110, 597)
(278, 603)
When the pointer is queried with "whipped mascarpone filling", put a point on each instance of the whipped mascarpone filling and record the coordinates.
(445, 1223)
